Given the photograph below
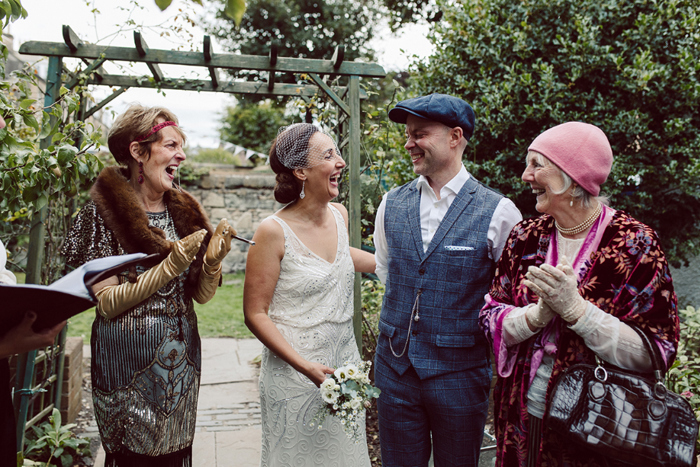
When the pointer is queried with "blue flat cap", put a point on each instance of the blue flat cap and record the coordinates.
(448, 110)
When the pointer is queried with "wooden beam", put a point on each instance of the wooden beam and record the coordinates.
(273, 62)
(71, 38)
(98, 71)
(226, 61)
(89, 70)
(354, 209)
(208, 51)
(104, 102)
(334, 97)
(233, 87)
(338, 56)
(143, 50)
(273, 54)
(208, 54)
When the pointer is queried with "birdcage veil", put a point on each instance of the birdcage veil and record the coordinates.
(293, 148)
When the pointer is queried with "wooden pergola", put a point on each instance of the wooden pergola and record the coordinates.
(346, 99)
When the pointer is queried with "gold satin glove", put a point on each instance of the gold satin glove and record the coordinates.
(219, 246)
(114, 300)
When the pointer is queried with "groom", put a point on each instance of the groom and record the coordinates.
(437, 241)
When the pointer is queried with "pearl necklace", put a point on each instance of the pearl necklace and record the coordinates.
(583, 226)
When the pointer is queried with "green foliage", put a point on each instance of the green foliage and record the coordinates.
(55, 445)
(223, 316)
(188, 174)
(372, 296)
(253, 125)
(629, 67)
(215, 156)
(402, 12)
(11, 10)
(381, 152)
(302, 29)
(34, 177)
(684, 375)
(233, 9)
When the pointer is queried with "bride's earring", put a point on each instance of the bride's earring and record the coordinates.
(302, 194)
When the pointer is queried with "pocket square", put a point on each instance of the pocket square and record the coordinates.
(458, 248)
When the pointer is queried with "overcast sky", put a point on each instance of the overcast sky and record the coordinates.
(199, 113)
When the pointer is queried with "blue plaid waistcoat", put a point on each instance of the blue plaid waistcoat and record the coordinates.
(446, 284)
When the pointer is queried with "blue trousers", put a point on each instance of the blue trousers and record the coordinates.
(453, 407)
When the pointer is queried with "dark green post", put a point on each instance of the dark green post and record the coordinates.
(355, 214)
(35, 257)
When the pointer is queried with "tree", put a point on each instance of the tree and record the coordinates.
(402, 12)
(253, 126)
(35, 178)
(301, 29)
(233, 9)
(629, 67)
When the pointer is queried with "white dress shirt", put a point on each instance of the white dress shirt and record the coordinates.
(432, 211)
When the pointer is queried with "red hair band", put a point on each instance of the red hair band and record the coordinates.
(155, 129)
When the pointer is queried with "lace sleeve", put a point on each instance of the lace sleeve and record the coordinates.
(612, 340)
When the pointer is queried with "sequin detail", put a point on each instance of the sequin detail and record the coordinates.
(146, 362)
(312, 306)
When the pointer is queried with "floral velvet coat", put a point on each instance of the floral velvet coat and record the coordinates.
(626, 275)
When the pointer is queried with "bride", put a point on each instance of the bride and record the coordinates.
(298, 300)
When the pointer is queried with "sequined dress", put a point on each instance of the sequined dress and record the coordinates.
(312, 307)
(145, 362)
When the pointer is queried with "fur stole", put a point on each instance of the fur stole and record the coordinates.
(122, 212)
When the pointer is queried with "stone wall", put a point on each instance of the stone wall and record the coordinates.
(686, 281)
(244, 199)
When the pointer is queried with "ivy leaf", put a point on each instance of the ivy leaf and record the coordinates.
(234, 10)
(163, 4)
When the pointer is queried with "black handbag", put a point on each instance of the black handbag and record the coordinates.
(627, 417)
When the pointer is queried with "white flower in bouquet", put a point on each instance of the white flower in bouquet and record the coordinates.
(329, 385)
(356, 403)
(329, 396)
(346, 393)
(351, 371)
(341, 374)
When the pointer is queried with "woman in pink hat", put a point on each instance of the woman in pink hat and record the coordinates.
(567, 284)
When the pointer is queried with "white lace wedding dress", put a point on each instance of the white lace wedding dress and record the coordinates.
(312, 306)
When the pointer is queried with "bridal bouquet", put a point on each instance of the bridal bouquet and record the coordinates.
(347, 392)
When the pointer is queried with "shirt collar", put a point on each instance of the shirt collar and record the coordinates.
(453, 185)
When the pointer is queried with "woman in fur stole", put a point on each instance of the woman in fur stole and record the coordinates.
(146, 355)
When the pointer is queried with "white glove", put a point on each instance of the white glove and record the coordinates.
(539, 315)
(558, 288)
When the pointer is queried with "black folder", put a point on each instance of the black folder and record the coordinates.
(62, 299)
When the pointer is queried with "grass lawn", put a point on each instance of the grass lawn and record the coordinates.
(222, 316)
